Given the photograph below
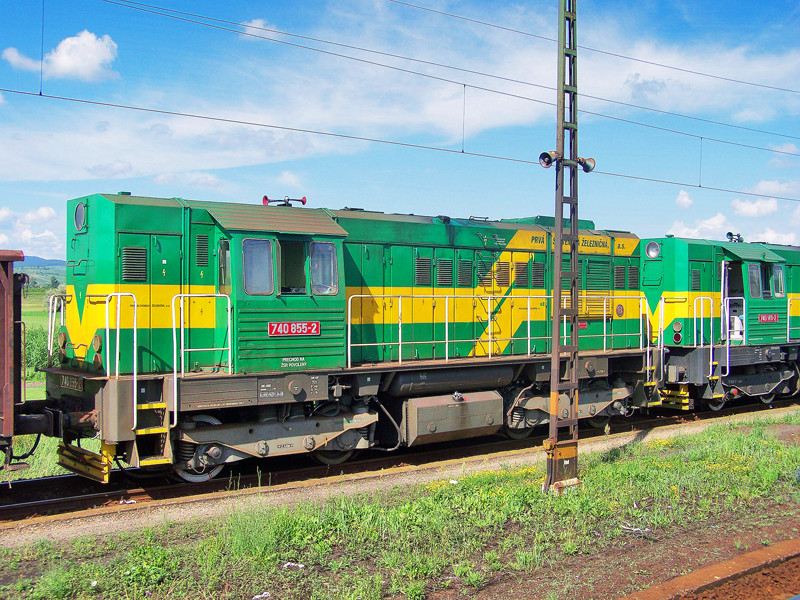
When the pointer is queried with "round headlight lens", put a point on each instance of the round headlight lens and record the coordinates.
(653, 250)
(80, 216)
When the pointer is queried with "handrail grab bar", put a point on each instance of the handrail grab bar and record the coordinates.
(227, 348)
(119, 296)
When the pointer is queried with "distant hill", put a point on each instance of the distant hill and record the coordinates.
(35, 261)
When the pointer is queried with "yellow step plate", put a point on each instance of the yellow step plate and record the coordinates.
(84, 462)
(151, 405)
(154, 460)
(151, 430)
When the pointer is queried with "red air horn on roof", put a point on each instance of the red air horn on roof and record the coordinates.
(285, 202)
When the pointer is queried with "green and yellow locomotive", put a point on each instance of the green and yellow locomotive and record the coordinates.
(200, 333)
(194, 334)
(727, 319)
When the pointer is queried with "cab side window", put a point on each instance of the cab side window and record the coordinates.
(754, 277)
(766, 278)
(293, 267)
(258, 270)
(224, 258)
(324, 272)
(777, 281)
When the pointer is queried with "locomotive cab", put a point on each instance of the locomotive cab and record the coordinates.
(719, 311)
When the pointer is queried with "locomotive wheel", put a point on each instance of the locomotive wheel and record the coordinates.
(332, 458)
(598, 422)
(716, 404)
(517, 433)
(202, 474)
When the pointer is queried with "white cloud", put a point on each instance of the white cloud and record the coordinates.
(684, 200)
(33, 231)
(754, 208)
(771, 236)
(39, 215)
(255, 27)
(712, 228)
(203, 180)
(195, 179)
(2, 100)
(788, 147)
(165, 179)
(790, 188)
(289, 179)
(118, 168)
(84, 56)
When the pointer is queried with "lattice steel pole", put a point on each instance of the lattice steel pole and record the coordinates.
(562, 454)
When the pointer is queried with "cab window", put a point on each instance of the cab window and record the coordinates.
(324, 273)
(766, 278)
(293, 267)
(777, 281)
(224, 258)
(754, 277)
(258, 271)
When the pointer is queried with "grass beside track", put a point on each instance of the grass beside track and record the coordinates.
(413, 542)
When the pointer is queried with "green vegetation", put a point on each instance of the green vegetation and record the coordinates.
(446, 534)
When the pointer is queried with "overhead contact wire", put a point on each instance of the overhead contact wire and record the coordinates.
(365, 139)
(157, 11)
(598, 51)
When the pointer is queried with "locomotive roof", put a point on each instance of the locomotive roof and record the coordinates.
(248, 217)
(746, 251)
(320, 221)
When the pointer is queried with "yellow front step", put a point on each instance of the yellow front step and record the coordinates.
(151, 430)
(151, 405)
(84, 462)
(154, 460)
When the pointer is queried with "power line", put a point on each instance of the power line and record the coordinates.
(364, 139)
(158, 11)
(161, 11)
(598, 51)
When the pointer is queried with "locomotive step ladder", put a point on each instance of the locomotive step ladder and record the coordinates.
(151, 443)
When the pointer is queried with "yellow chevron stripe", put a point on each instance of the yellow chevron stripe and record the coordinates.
(153, 310)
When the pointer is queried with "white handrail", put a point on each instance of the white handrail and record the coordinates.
(702, 300)
(119, 296)
(184, 350)
(54, 302)
(728, 336)
(490, 334)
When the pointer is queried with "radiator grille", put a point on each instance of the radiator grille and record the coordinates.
(619, 277)
(502, 273)
(422, 271)
(521, 280)
(464, 275)
(134, 263)
(633, 277)
(537, 275)
(695, 280)
(201, 250)
(444, 272)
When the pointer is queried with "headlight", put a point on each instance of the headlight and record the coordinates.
(653, 250)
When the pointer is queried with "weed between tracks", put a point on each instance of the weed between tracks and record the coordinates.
(449, 534)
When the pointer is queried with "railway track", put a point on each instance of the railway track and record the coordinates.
(72, 495)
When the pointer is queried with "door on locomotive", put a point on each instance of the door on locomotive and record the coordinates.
(754, 302)
(150, 267)
(292, 313)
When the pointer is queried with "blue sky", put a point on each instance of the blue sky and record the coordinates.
(53, 150)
